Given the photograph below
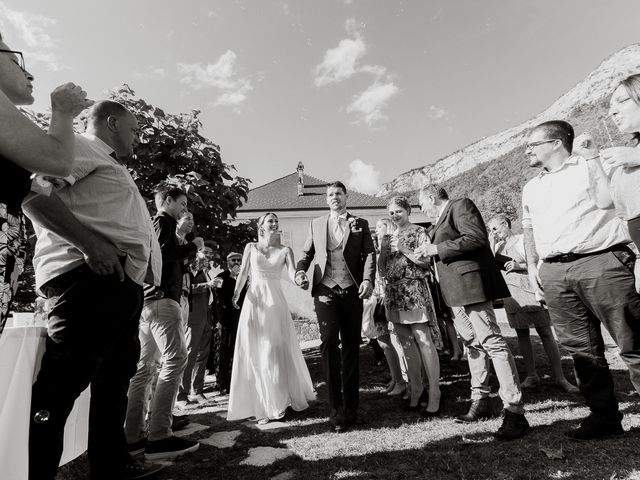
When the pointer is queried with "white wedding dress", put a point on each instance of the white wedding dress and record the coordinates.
(269, 372)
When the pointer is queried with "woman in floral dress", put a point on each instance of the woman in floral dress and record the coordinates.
(409, 305)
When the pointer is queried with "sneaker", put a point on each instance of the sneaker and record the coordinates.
(513, 426)
(169, 448)
(179, 422)
(593, 428)
(136, 448)
(480, 409)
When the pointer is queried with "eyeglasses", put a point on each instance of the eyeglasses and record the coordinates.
(20, 61)
(531, 145)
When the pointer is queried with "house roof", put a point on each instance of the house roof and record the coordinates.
(282, 194)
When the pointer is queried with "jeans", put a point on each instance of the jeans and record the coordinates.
(340, 320)
(582, 295)
(163, 346)
(92, 339)
(481, 334)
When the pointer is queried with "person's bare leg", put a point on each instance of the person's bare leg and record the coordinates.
(392, 360)
(551, 348)
(431, 363)
(526, 349)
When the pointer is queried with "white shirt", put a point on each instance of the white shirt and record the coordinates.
(563, 214)
(441, 210)
(102, 195)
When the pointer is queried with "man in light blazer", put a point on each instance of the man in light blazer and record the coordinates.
(343, 276)
(470, 281)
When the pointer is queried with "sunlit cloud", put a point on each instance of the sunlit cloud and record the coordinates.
(151, 72)
(436, 112)
(221, 75)
(369, 104)
(364, 178)
(342, 62)
(33, 29)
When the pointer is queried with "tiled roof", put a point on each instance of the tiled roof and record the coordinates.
(282, 194)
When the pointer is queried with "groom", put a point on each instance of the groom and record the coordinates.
(343, 276)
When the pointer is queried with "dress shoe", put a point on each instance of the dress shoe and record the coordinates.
(593, 428)
(179, 422)
(480, 409)
(513, 426)
(134, 470)
(337, 421)
(199, 398)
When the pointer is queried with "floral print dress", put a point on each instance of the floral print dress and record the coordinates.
(407, 287)
(14, 186)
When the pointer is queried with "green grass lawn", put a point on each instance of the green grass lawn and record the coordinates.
(393, 444)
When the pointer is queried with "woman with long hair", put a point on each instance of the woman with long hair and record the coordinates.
(269, 372)
(523, 310)
(409, 305)
(25, 150)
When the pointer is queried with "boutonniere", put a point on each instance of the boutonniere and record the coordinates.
(353, 225)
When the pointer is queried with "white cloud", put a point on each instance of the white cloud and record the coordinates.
(340, 63)
(364, 177)
(436, 112)
(151, 72)
(370, 103)
(221, 75)
(33, 29)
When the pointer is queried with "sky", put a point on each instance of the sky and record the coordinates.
(358, 90)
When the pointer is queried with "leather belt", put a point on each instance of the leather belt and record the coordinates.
(572, 257)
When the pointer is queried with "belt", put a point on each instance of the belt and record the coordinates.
(572, 257)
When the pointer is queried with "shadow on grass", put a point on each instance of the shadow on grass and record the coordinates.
(394, 444)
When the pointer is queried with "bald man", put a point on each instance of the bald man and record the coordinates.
(96, 246)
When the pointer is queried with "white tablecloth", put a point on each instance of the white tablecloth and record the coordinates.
(21, 350)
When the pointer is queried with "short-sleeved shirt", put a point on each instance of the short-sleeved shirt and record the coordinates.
(103, 196)
(625, 185)
(563, 214)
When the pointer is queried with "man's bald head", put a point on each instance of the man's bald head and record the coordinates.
(116, 126)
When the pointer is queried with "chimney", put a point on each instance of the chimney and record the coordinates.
(300, 170)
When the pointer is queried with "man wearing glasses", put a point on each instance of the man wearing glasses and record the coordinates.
(586, 274)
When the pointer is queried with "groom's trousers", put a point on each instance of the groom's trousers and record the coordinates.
(339, 313)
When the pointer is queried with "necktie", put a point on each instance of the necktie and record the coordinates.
(338, 228)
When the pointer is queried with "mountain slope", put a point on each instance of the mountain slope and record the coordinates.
(493, 170)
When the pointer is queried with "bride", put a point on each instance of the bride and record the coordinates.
(269, 372)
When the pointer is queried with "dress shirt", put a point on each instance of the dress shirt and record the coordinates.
(441, 210)
(337, 224)
(102, 195)
(563, 214)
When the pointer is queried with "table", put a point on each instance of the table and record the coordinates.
(21, 349)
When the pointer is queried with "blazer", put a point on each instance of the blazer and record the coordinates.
(229, 316)
(357, 248)
(173, 255)
(467, 269)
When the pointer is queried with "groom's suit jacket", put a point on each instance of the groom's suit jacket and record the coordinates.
(357, 249)
(467, 269)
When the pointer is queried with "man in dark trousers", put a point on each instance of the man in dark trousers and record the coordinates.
(470, 281)
(344, 273)
(96, 246)
(228, 318)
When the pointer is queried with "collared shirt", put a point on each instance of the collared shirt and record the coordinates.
(624, 191)
(563, 214)
(102, 195)
(441, 210)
